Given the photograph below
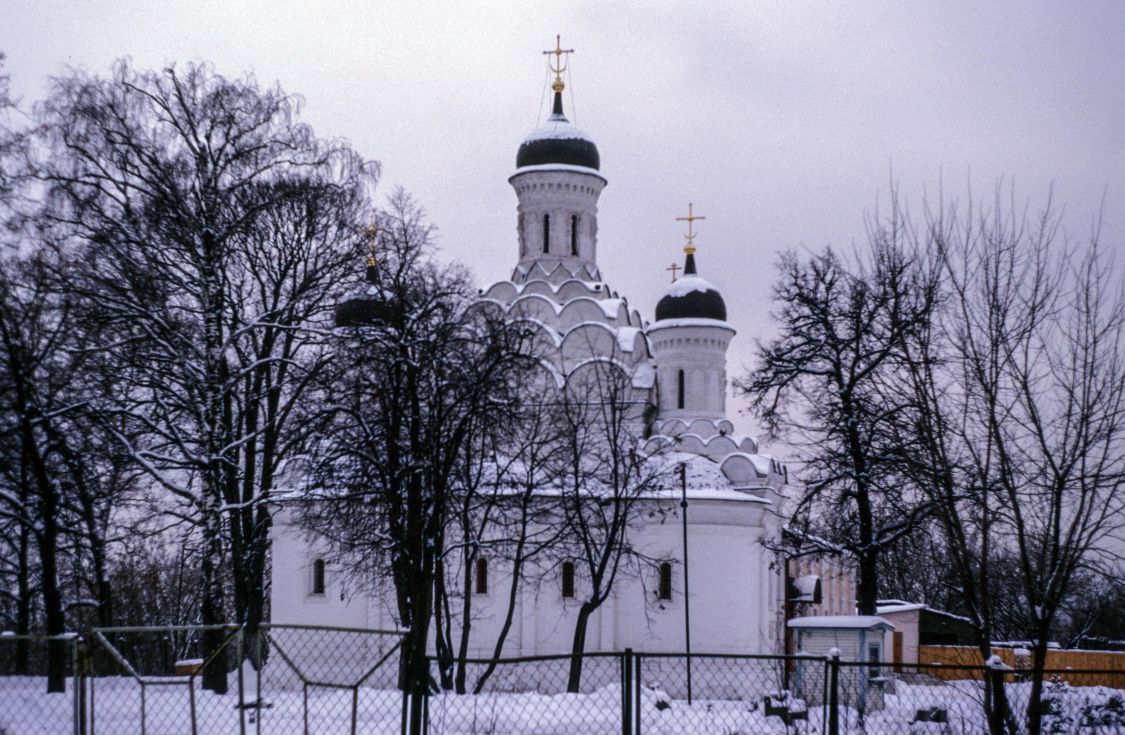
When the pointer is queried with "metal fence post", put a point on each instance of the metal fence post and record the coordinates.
(79, 688)
(241, 653)
(834, 692)
(627, 692)
(637, 693)
(995, 672)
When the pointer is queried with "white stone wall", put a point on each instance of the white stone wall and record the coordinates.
(562, 195)
(734, 599)
(292, 599)
(701, 353)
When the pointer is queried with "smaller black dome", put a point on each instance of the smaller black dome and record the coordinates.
(691, 297)
(557, 141)
(364, 307)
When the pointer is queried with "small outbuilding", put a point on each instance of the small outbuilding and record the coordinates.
(858, 638)
(918, 625)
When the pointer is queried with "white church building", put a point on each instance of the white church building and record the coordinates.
(677, 364)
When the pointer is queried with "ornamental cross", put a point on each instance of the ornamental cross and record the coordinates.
(691, 233)
(372, 237)
(559, 64)
(674, 268)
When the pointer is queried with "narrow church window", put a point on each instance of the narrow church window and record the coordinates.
(546, 233)
(568, 579)
(574, 234)
(482, 577)
(680, 389)
(318, 577)
(664, 591)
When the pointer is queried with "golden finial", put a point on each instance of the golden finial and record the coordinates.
(372, 232)
(674, 268)
(689, 248)
(559, 65)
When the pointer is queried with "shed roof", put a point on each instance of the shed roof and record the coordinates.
(848, 622)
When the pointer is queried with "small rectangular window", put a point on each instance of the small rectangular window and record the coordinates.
(568, 579)
(482, 577)
(574, 234)
(546, 233)
(680, 389)
(318, 577)
(873, 663)
(664, 591)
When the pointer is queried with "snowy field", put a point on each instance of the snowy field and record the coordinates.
(25, 709)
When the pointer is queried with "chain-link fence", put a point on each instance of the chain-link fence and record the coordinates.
(328, 680)
(37, 685)
(305, 680)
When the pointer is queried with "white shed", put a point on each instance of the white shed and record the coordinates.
(859, 639)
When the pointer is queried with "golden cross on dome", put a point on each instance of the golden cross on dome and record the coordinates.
(674, 268)
(559, 65)
(689, 247)
(372, 233)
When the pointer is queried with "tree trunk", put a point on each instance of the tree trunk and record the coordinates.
(466, 623)
(215, 672)
(513, 597)
(578, 647)
(867, 592)
(47, 537)
(23, 597)
(1038, 664)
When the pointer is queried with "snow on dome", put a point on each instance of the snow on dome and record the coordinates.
(691, 297)
(558, 142)
(557, 127)
(686, 284)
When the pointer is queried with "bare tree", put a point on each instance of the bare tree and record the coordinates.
(604, 472)
(504, 516)
(39, 401)
(529, 527)
(819, 385)
(212, 226)
(410, 389)
(1017, 395)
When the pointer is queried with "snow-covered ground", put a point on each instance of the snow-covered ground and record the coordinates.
(25, 709)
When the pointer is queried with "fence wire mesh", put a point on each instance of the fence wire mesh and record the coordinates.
(27, 702)
(166, 681)
(328, 680)
(306, 680)
(531, 694)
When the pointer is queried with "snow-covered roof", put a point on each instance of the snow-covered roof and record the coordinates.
(845, 622)
(901, 607)
(805, 588)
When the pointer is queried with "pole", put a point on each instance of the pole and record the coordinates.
(687, 597)
(834, 692)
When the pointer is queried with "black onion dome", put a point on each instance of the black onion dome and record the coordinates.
(557, 141)
(691, 297)
(366, 306)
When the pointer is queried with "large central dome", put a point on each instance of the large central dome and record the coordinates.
(557, 141)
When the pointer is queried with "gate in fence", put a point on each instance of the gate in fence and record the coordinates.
(305, 680)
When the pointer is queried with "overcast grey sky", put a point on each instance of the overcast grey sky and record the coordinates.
(781, 120)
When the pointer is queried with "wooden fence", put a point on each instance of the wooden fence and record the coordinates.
(1078, 668)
